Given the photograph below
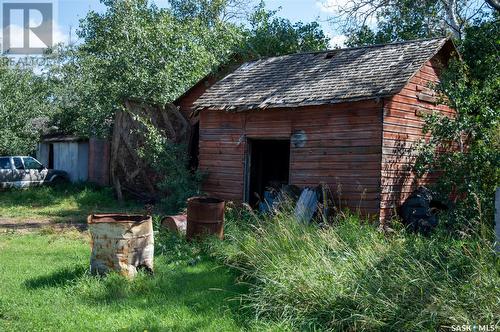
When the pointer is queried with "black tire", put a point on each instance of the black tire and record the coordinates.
(58, 182)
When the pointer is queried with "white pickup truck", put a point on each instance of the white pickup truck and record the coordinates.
(23, 171)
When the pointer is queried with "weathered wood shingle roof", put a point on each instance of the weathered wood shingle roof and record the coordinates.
(321, 78)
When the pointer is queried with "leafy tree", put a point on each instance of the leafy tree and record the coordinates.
(133, 49)
(270, 35)
(466, 149)
(210, 11)
(24, 108)
(405, 20)
(398, 20)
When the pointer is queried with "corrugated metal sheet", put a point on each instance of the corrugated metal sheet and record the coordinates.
(71, 157)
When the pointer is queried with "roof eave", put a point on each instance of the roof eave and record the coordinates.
(253, 107)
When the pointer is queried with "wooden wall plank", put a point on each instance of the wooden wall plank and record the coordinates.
(343, 149)
(402, 130)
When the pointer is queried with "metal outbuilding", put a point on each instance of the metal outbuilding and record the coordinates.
(66, 153)
(83, 159)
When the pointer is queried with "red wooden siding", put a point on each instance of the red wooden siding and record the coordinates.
(343, 149)
(402, 130)
(185, 102)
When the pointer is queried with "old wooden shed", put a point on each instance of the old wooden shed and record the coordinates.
(347, 117)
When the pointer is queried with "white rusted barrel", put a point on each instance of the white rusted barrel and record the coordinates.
(121, 242)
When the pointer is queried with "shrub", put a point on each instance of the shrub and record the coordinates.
(170, 160)
(465, 149)
(352, 277)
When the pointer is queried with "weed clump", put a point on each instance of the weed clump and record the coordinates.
(351, 276)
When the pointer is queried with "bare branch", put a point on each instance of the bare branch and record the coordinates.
(495, 4)
(355, 13)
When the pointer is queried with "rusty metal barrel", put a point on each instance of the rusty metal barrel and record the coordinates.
(176, 224)
(205, 217)
(122, 243)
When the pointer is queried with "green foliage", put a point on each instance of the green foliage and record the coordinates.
(209, 11)
(351, 277)
(399, 20)
(466, 149)
(24, 108)
(133, 49)
(270, 35)
(63, 203)
(170, 161)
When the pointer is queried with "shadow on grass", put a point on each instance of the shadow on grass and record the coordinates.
(205, 290)
(73, 202)
(58, 279)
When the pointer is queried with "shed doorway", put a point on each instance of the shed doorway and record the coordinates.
(51, 157)
(268, 167)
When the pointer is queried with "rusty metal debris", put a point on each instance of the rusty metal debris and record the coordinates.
(175, 224)
(121, 243)
(205, 216)
(420, 210)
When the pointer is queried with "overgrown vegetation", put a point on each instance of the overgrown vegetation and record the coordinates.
(279, 274)
(349, 276)
(170, 160)
(25, 109)
(465, 149)
(346, 276)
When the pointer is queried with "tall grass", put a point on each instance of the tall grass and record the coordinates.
(350, 276)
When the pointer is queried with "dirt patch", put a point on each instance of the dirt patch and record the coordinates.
(9, 225)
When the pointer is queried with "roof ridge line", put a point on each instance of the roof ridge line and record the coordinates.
(350, 48)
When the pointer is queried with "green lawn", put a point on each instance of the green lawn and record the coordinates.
(68, 203)
(44, 285)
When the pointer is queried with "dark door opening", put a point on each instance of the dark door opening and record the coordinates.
(51, 157)
(194, 147)
(269, 167)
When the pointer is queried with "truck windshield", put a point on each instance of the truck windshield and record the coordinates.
(32, 163)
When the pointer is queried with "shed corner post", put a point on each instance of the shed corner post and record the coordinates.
(246, 169)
